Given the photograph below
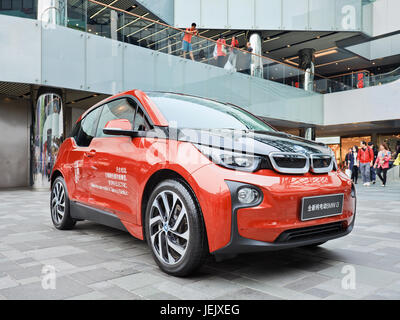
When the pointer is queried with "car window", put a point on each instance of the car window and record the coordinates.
(117, 109)
(141, 123)
(85, 129)
(198, 113)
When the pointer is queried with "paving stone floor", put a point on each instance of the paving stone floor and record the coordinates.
(97, 262)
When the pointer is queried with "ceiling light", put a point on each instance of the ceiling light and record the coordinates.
(268, 39)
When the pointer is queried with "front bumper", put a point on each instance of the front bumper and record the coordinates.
(288, 238)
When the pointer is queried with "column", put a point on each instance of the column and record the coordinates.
(256, 67)
(308, 133)
(307, 63)
(52, 11)
(47, 135)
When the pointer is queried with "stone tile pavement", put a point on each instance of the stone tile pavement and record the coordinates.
(97, 262)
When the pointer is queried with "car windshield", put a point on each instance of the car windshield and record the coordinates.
(183, 111)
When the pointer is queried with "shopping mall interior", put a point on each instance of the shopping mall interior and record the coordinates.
(322, 69)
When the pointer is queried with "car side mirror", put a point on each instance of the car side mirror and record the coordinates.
(120, 127)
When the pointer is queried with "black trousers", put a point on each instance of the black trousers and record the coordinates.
(382, 174)
(221, 61)
(354, 174)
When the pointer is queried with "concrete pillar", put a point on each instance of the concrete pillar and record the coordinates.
(114, 24)
(48, 134)
(307, 63)
(52, 11)
(256, 67)
(308, 133)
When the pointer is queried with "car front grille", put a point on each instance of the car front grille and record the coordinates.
(295, 163)
(288, 162)
(321, 163)
(308, 233)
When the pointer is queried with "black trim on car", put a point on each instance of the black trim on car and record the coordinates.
(80, 211)
(239, 244)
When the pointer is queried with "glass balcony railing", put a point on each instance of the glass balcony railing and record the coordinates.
(102, 20)
(383, 78)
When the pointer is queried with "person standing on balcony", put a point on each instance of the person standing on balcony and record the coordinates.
(365, 160)
(220, 51)
(375, 151)
(233, 53)
(187, 41)
(247, 59)
(382, 162)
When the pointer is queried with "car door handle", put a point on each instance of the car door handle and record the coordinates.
(90, 153)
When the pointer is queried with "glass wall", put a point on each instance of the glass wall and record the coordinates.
(221, 50)
(19, 8)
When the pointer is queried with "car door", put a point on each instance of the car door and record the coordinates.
(115, 178)
(80, 154)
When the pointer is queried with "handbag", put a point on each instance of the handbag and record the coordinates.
(397, 161)
(223, 49)
(215, 51)
(228, 65)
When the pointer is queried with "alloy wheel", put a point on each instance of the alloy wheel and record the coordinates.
(169, 227)
(58, 202)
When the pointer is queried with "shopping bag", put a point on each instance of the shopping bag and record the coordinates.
(228, 65)
(397, 161)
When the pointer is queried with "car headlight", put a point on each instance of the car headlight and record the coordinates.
(230, 159)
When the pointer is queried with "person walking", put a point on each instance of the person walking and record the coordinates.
(187, 41)
(347, 162)
(353, 164)
(373, 170)
(365, 160)
(382, 162)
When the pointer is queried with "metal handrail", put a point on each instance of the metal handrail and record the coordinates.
(166, 27)
(198, 36)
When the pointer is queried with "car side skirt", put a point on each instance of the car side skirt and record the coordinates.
(81, 211)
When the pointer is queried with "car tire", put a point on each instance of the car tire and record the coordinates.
(60, 205)
(178, 240)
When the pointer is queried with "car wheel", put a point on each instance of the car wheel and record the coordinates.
(59, 205)
(175, 229)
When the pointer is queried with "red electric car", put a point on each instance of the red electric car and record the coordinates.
(194, 176)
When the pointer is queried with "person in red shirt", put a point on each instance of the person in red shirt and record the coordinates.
(382, 162)
(187, 40)
(365, 160)
(233, 52)
(220, 51)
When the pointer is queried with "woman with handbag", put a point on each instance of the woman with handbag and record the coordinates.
(353, 164)
(220, 51)
(382, 162)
